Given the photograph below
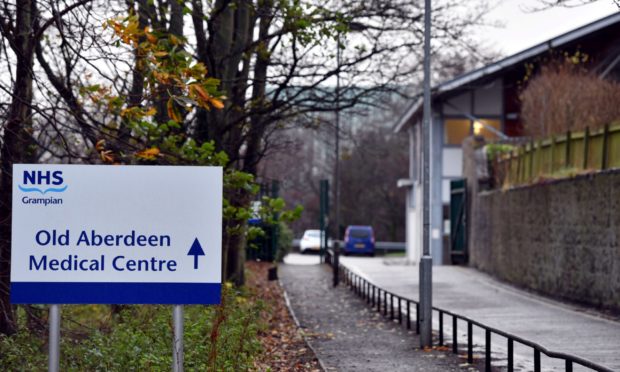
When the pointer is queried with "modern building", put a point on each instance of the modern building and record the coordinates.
(486, 102)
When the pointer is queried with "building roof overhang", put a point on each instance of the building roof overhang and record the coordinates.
(412, 114)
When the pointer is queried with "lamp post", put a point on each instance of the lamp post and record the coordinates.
(336, 260)
(352, 27)
(426, 262)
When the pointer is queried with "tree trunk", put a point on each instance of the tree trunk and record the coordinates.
(15, 148)
(258, 121)
(230, 34)
(235, 243)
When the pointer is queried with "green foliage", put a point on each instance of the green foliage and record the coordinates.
(494, 150)
(23, 352)
(222, 338)
(167, 66)
(304, 22)
(273, 210)
(285, 241)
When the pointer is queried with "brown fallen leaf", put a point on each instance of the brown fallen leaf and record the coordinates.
(284, 348)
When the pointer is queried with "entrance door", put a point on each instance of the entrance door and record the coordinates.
(458, 221)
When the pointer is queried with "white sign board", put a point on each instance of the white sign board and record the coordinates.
(116, 234)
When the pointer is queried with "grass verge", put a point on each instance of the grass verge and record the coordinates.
(94, 338)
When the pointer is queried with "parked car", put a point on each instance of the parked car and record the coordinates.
(359, 240)
(311, 241)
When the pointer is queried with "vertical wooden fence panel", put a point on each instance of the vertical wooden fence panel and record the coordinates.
(595, 146)
(614, 146)
(552, 155)
(576, 151)
(512, 171)
(567, 150)
(529, 159)
(587, 150)
(559, 154)
(586, 147)
(518, 161)
(546, 157)
(536, 160)
(604, 150)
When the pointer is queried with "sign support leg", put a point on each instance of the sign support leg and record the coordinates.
(177, 341)
(54, 339)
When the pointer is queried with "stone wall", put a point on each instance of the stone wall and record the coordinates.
(560, 238)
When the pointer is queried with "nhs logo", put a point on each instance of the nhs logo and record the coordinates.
(37, 183)
(42, 182)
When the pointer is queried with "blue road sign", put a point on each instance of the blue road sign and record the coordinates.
(116, 235)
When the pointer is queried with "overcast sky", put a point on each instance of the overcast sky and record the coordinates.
(524, 29)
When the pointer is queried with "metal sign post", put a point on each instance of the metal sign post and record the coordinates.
(177, 341)
(53, 363)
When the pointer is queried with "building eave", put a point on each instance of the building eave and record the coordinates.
(504, 64)
(406, 117)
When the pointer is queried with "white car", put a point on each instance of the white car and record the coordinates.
(311, 241)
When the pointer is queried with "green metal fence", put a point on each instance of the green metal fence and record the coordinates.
(561, 156)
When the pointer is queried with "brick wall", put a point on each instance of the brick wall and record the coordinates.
(561, 238)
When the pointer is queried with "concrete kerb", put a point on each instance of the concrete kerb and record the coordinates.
(298, 325)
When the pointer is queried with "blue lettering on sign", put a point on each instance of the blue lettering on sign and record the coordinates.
(120, 263)
(70, 263)
(44, 237)
(34, 180)
(43, 177)
(74, 262)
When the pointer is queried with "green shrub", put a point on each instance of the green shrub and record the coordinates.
(285, 241)
(494, 150)
(139, 338)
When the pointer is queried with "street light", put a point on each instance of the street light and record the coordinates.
(352, 27)
(426, 261)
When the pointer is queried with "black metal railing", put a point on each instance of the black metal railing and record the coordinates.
(377, 297)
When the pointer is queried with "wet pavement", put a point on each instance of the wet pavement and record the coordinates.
(555, 325)
(346, 334)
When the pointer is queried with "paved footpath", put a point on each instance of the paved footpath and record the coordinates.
(347, 335)
(556, 326)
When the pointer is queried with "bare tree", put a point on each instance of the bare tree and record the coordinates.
(275, 61)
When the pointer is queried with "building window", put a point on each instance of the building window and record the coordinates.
(484, 128)
(456, 130)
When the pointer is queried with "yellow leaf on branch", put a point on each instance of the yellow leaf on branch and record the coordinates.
(148, 154)
(172, 112)
(201, 92)
(100, 145)
(216, 103)
(107, 156)
(151, 38)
